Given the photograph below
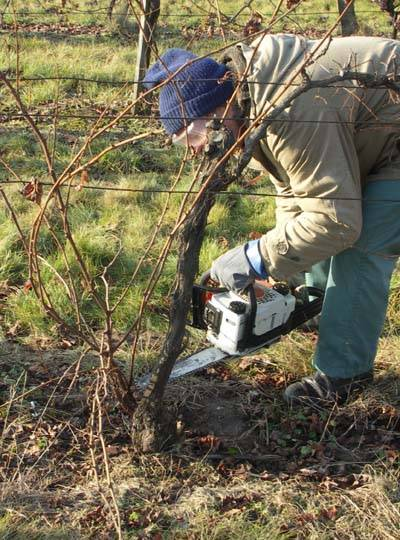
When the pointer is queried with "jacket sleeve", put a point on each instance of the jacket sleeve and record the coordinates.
(286, 204)
(315, 146)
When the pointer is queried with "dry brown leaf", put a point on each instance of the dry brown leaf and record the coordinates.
(392, 455)
(83, 181)
(14, 330)
(291, 3)
(27, 286)
(211, 441)
(255, 235)
(329, 513)
(246, 363)
(253, 25)
(32, 191)
(66, 344)
(306, 517)
(242, 471)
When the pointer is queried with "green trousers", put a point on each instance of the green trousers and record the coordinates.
(356, 283)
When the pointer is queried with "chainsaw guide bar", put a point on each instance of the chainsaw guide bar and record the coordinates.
(203, 359)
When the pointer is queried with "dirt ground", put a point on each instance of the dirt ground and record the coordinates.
(238, 444)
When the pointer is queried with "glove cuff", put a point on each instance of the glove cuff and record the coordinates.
(253, 255)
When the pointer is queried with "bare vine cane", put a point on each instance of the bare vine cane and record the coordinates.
(151, 430)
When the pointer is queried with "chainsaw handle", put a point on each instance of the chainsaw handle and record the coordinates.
(205, 277)
(314, 291)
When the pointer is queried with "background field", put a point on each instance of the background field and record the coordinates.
(307, 474)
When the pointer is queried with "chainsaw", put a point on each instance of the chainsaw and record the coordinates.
(240, 324)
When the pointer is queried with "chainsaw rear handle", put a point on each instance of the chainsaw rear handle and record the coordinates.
(309, 310)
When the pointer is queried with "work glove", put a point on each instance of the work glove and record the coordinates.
(239, 267)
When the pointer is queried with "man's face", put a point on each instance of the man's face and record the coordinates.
(194, 136)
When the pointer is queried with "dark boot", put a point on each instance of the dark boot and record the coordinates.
(321, 390)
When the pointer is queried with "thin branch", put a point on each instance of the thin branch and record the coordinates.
(31, 122)
(110, 148)
(15, 219)
(276, 11)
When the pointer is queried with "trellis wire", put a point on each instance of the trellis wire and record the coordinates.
(20, 117)
(195, 192)
(132, 81)
(180, 15)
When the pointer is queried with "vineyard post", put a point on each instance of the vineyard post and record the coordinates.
(348, 22)
(148, 21)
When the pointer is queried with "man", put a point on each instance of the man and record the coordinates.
(334, 157)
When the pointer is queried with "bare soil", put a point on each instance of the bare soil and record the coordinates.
(233, 426)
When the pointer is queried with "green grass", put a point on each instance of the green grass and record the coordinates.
(99, 218)
(11, 530)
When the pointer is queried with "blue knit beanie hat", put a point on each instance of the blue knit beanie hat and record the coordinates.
(194, 92)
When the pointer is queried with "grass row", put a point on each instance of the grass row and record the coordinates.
(101, 219)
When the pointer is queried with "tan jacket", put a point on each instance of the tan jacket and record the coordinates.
(328, 143)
